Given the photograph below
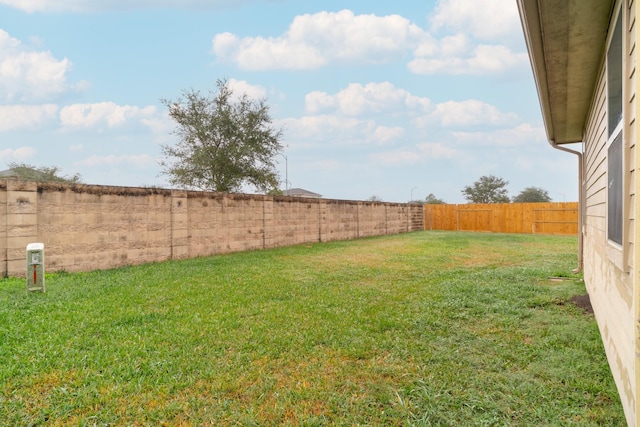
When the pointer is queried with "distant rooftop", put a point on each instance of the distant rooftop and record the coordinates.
(301, 192)
(9, 173)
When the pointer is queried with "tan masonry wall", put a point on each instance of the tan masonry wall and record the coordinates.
(86, 227)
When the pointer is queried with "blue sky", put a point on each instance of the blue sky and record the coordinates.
(389, 99)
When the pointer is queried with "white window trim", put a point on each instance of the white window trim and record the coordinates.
(614, 250)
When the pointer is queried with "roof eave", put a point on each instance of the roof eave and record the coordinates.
(533, 38)
(565, 40)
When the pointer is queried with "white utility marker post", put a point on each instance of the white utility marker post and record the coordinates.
(35, 267)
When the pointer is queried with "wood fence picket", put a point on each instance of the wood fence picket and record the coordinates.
(536, 218)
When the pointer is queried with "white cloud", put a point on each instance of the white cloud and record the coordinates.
(240, 87)
(8, 43)
(483, 59)
(493, 58)
(26, 116)
(460, 53)
(455, 45)
(397, 158)
(437, 151)
(109, 114)
(258, 53)
(27, 75)
(162, 129)
(140, 160)
(358, 99)
(17, 154)
(520, 135)
(387, 135)
(114, 5)
(37, 5)
(320, 101)
(326, 165)
(317, 40)
(314, 40)
(486, 19)
(467, 113)
(422, 153)
(327, 130)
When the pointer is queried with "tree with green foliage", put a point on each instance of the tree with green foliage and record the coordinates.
(28, 172)
(225, 142)
(532, 195)
(431, 199)
(488, 189)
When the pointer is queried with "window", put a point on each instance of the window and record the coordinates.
(614, 77)
(614, 190)
(615, 146)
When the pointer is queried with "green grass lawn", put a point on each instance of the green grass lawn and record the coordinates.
(426, 328)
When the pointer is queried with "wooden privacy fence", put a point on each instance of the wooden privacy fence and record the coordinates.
(543, 218)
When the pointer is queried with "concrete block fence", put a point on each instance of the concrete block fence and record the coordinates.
(88, 227)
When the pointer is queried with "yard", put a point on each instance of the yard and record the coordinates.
(425, 328)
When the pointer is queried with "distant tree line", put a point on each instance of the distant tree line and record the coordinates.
(27, 172)
(492, 189)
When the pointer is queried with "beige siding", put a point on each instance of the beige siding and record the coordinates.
(634, 184)
(608, 269)
(595, 164)
(630, 129)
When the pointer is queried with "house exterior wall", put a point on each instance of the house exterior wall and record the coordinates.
(88, 227)
(609, 269)
(634, 183)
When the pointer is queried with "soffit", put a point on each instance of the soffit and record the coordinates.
(566, 40)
